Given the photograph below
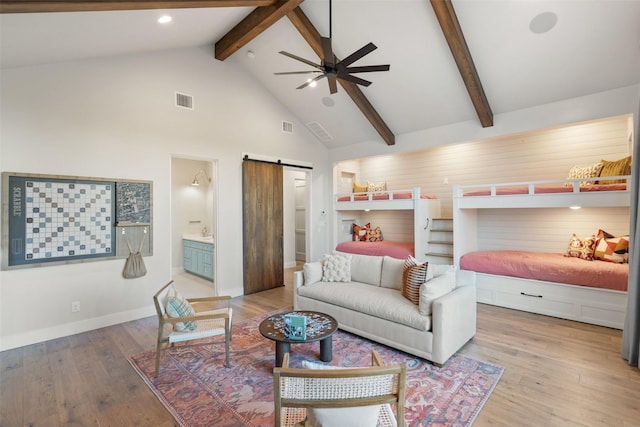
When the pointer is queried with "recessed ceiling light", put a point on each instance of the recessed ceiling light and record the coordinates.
(165, 19)
(543, 22)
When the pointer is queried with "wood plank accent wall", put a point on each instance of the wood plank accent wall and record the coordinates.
(540, 155)
(545, 230)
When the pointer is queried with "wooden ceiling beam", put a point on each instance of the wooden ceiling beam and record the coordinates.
(39, 6)
(312, 36)
(252, 26)
(453, 34)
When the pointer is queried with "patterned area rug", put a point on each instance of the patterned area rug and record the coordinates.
(198, 390)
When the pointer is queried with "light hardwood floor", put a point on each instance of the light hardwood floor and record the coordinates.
(557, 373)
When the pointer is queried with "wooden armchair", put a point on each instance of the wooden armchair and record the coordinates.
(208, 324)
(331, 396)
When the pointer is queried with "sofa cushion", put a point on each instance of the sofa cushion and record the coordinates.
(366, 269)
(435, 288)
(388, 304)
(391, 273)
(312, 272)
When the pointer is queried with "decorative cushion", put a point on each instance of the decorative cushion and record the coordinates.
(435, 288)
(576, 172)
(373, 187)
(177, 306)
(611, 248)
(374, 235)
(360, 188)
(391, 273)
(337, 268)
(360, 232)
(414, 274)
(312, 272)
(360, 416)
(617, 168)
(581, 248)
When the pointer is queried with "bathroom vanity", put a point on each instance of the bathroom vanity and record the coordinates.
(198, 255)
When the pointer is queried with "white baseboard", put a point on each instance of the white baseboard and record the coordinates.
(39, 335)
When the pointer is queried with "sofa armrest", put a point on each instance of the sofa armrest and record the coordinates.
(453, 321)
(298, 279)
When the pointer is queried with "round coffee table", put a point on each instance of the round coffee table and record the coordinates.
(320, 327)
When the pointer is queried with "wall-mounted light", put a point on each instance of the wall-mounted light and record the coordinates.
(575, 208)
(195, 178)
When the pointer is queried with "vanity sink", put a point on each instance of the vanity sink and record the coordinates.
(198, 238)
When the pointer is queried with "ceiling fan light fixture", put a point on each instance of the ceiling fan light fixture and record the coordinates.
(312, 83)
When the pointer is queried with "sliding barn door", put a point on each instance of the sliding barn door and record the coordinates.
(263, 226)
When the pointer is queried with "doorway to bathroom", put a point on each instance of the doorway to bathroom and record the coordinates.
(193, 225)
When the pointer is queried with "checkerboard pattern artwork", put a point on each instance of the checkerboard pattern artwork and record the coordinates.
(67, 219)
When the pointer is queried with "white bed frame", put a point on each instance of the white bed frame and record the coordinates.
(590, 305)
(424, 210)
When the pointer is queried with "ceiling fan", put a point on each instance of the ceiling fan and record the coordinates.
(332, 69)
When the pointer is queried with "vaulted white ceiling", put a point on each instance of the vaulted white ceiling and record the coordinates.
(594, 47)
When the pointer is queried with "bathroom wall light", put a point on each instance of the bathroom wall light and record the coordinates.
(195, 178)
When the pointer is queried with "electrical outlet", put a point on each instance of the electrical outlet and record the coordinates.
(75, 306)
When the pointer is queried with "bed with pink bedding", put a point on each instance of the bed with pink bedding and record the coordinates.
(550, 284)
(549, 267)
(541, 194)
(400, 250)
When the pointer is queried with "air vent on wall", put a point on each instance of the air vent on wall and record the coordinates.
(320, 132)
(184, 101)
(287, 127)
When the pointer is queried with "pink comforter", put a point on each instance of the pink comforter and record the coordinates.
(549, 267)
(384, 196)
(546, 189)
(400, 250)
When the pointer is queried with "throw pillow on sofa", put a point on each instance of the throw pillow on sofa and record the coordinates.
(337, 268)
(414, 274)
(312, 272)
(433, 289)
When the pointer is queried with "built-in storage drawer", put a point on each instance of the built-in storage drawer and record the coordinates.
(198, 258)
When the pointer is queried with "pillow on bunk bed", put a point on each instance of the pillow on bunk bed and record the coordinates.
(618, 168)
(611, 248)
(360, 188)
(373, 187)
(337, 268)
(360, 232)
(581, 248)
(374, 235)
(591, 171)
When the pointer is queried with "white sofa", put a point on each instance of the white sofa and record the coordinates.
(372, 305)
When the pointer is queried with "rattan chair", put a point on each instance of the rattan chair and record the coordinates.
(210, 323)
(297, 389)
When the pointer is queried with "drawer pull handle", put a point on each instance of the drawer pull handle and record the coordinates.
(530, 295)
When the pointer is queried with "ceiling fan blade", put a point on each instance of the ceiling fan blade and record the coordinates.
(333, 87)
(354, 79)
(367, 69)
(307, 83)
(297, 58)
(365, 50)
(327, 53)
(296, 72)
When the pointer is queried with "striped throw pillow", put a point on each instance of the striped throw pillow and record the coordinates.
(177, 306)
(414, 274)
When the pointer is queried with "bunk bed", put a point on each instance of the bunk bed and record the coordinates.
(350, 208)
(599, 299)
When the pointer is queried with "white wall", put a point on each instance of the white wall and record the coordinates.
(116, 118)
